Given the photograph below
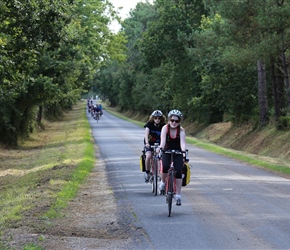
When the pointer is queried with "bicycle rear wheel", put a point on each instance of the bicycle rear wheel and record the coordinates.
(170, 192)
(155, 177)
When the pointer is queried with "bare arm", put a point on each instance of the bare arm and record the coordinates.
(182, 140)
(146, 136)
(163, 136)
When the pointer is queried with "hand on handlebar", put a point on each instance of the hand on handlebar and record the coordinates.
(159, 152)
(185, 154)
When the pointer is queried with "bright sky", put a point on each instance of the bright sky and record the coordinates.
(127, 6)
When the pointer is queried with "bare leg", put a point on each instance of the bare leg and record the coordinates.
(178, 186)
(147, 161)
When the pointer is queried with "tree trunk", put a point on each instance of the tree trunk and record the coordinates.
(39, 115)
(286, 76)
(275, 91)
(262, 93)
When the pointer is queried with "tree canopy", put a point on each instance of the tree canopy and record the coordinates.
(214, 60)
(50, 51)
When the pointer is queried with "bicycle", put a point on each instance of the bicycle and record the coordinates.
(97, 116)
(154, 169)
(170, 184)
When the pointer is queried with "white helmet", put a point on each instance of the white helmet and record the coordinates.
(157, 113)
(175, 112)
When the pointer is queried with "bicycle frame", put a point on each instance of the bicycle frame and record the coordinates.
(171, 172)
(97, 116)
(154, 169)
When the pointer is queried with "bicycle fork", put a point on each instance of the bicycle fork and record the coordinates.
(170, 190)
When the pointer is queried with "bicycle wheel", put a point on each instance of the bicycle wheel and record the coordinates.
(170, 191)
(152, 167)
(155, 176)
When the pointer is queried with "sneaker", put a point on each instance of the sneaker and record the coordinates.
(162, 188)
(178, 200)
(147, 177)
(151, 178)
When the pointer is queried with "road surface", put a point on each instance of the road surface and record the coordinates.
(227, 204)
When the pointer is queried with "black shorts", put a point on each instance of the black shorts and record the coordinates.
(178, 164)
(148, 149)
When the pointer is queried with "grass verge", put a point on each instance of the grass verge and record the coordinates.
(39, 178)
(273, 164)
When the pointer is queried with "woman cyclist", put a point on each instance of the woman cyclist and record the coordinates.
(152, 135)
(173, 137)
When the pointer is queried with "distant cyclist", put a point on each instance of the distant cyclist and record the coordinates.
(173, 137)
(101, 108)
(152, 135)
(97, 110)
(89, 105)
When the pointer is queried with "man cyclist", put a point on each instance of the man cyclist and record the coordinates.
(152, 135)
(173, 138)
(101, 109)
(97, 110)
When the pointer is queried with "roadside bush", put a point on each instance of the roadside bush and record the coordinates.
(283, 123)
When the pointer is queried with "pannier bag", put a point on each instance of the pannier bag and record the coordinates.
(185, 174)
(142, 161)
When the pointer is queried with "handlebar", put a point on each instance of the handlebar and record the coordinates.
(172, 152)
(156, 145)
(177, 152)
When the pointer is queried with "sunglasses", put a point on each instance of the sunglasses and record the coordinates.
(176, 121)
(157, 118)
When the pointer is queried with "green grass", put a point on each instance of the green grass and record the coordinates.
(41, 176)
(32, 247)
(272, 164)
(70, 190)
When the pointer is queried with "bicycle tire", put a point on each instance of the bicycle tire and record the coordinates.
(155, 179)
(170, 192)
(152, 175)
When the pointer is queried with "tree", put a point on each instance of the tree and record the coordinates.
(252, 28)
(50, 51)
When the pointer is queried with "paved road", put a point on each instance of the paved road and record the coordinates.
(227, 205)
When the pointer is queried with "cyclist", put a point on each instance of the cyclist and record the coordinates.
(173, 137)
(97, 109)
(152, 135)
(89, 105)
(101, 109)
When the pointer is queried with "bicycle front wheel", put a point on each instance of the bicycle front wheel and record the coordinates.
(155, 179)
(170, 192)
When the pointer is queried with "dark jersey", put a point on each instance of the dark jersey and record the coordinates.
(97, 109)
(154, 132)
(172, 143)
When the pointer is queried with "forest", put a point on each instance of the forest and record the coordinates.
(214, 60)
